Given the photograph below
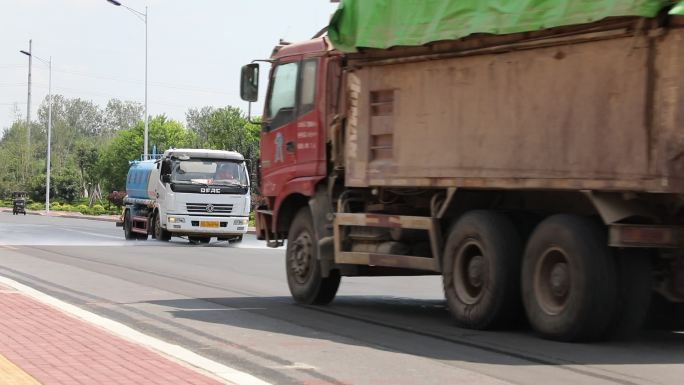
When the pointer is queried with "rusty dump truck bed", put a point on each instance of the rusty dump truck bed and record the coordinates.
(596, 107)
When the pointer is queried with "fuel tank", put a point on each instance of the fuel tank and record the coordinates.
(137, 182)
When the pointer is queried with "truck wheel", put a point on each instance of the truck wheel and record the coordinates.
(481, 270)
(128, 233)
(304, 279)
(159, 232)
(634, 293)
(569, 282)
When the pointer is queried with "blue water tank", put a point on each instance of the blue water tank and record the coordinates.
(139, 178)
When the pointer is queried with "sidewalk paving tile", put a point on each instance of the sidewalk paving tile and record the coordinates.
(41, 345)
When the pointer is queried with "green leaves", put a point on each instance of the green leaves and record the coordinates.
(127, 145)
(92, 146)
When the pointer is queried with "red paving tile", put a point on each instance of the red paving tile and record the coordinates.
(57, 349)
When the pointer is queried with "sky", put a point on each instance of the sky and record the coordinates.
(196, 49)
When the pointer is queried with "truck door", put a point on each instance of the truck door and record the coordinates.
(309, 144)
(279, 128)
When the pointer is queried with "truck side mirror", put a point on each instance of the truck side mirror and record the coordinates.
(249, 83)
(166, 178)
(166, 167)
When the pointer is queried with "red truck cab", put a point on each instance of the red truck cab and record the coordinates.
(293, 152)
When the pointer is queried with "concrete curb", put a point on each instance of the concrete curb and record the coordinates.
(62, 214)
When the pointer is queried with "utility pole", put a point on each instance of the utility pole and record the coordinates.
(49, 141)
(143, 17)
(28, 114)
(146, 140)
(28, 104)
(49, 128)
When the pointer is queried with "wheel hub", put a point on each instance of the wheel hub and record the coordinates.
(301, 256)
(553, 281)
(470, 272)
(476, 271)
(559, 279)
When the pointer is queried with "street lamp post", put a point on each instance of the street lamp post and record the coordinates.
(28, 108)
(142, 16)
(49, 130)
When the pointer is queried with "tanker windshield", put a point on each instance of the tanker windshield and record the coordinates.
(209, 172)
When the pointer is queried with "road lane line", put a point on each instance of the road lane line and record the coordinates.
(94, 234)
(219, 370)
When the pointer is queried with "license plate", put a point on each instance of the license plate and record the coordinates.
(212, 224)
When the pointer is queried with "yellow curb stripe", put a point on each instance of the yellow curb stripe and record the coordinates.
(11, 374)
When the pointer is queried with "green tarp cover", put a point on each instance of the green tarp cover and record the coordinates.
(389, 23)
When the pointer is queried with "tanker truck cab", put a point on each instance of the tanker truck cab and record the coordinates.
(195, 193)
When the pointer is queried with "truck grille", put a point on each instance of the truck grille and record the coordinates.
(209, 208)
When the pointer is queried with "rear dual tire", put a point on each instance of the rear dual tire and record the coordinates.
(481, 268)
(575, 288)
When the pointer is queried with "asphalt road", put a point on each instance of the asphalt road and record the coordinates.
(230, 303)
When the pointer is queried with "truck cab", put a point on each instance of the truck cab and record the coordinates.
(293, 149)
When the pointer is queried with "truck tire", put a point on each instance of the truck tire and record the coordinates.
(635, 282)
(160, 233)
(481, 270)
(303, 267)
(569, 283)
(128, 233)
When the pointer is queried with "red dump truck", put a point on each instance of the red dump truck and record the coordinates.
(539, 169)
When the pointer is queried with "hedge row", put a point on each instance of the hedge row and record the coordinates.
(76, 208)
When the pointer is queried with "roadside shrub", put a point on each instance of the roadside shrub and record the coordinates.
(35, 206)
(55, 206)
(97, 210)
(82, 209)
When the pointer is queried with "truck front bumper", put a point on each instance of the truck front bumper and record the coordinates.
(206, 225)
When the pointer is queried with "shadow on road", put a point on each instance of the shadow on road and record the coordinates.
(422, 328)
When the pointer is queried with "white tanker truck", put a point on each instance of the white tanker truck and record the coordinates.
(187, 192)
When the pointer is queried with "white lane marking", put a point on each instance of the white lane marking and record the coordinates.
(232, 376)
(93, 234)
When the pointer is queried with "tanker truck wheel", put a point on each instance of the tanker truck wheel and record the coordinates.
(569, 282)
(304, 279)
(127, 226)
(481, 270)
(159, 232)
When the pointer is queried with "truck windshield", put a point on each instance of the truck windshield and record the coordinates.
(209, 172)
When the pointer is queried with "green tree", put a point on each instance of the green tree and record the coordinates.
(67, 185)
(14, 175)
(225, 128)
(127, 145)
(122, 115)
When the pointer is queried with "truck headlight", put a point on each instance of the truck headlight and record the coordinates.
(176, 220)
(241, 222)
